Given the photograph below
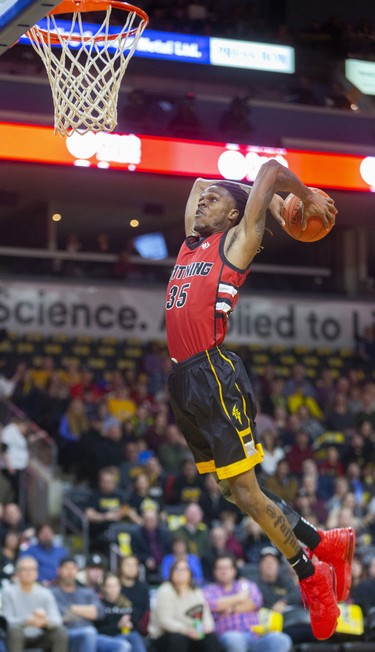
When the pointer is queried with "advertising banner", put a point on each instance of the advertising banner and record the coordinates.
(139, 313)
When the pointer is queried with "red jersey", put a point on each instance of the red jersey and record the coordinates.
(202, 291)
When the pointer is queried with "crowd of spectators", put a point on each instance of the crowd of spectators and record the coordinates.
(116, 437)
(255, 22)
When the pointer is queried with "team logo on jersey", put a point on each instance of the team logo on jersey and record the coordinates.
(237, 414)
(205, 245)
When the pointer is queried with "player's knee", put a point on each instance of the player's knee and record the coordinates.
(247, 495)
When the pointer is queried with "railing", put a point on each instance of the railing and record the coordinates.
(92, 257)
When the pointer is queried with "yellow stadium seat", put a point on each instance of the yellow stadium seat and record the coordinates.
(335, 362)
(81, 350)
(96, 363)
(311, 361)
(269, 621)
(125, 364)
(260, 358)
(52, 349)
(25, 347)
(288, 359)
(106, 351)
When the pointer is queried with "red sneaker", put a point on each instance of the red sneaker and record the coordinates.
(337, 548)
(319, 592)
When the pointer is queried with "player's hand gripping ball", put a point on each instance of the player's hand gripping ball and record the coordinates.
(293, 214)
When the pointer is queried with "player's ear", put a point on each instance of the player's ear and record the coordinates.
(233, 216)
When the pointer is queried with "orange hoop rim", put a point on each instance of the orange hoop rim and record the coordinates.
(84, 6)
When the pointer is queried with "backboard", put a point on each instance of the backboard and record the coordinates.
(17, 16)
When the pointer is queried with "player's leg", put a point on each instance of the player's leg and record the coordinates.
(317, 580)
(334, 546)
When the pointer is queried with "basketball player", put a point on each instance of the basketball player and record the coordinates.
(209, 389)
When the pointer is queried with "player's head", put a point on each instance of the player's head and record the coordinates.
(220, 207)
(239, 195)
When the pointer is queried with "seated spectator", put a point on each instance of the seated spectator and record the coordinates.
(337, 98)
(73, 424)
(158, 479)
(253, 540)
(150, 542)
(155, 434)
(301, 92)
(235, 605)
(188, 484)
(137, 592)
(47, 553)
(309, 488)
(311, 420)
(185, 121)
(339, 417)
(180, 618)
(300, 451)
(180, 552)
(325, 389)
(136, 113)
(217, 547)
(363, 593)
(101, 446)
(273, 453)
(278, 589)
(33, 619)
(8, 556)
(341, 488)
(80, 608)
(213, 504)
(142, 422)
(283, 483)
(92, 575)
(358, 450)
(130, 466)
(107, 505)
(366, 344)
(234, 123)
(141, 498)
(86, 387)
(174, 450)
(117, 620)
(234, 545)
(331, 465)
(344, 516)
(358, 573)
(12, 519)
(194, 530)
(298, 381)
(120, 405)
(367, 410)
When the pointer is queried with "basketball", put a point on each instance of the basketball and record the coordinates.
(315, 229)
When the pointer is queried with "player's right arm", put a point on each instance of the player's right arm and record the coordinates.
(198, 187)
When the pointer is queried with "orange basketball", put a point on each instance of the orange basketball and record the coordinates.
(315, 229)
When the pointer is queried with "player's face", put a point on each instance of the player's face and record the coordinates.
(215, 211)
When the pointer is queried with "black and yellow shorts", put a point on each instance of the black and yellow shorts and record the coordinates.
(214, 407)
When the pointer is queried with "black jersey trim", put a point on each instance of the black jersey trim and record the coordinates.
(225, 259)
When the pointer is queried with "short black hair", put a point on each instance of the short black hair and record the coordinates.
(68, 559)
(239, 195)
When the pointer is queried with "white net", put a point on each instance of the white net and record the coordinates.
(85, 74)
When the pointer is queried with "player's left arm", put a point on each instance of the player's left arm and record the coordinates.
(244, 239)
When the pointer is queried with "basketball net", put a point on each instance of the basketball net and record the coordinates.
(85, 72)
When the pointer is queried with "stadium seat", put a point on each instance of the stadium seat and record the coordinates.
(318, 647)
(358, 646)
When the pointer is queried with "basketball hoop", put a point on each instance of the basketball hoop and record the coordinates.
(85, 73)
